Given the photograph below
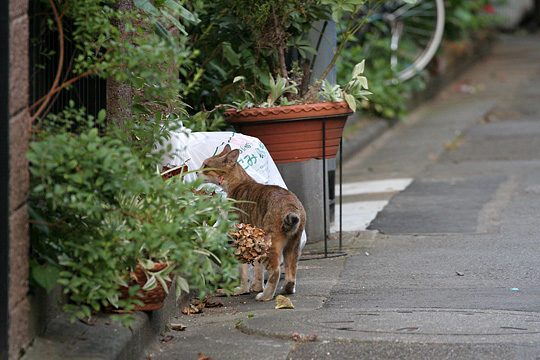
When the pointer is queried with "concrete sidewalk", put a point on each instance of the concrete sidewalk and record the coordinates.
(449, 269)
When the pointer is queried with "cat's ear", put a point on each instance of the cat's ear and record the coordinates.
(225, 150)
(232, 156)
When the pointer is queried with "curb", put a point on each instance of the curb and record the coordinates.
(103, 339)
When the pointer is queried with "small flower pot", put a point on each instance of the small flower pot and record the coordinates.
(152, 299)
(294, 133)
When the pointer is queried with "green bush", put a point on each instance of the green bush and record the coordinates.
(465, 17)
(388, 99)
(391, 99)
(98, 212)
(98, 204)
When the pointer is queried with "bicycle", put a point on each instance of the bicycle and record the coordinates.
(411, 30)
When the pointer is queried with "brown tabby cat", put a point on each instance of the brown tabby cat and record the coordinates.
(272, 208)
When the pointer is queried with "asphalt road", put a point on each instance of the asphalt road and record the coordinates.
(448, 269)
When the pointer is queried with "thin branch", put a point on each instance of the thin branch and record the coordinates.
(281, 47)
(60, 27)
(55, 97)
(68, 82)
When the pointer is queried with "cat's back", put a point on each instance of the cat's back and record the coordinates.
(259, 202)
(254, 191)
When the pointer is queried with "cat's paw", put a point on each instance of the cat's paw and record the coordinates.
(262, 297)
(256, 288)
(241, 290)
(289, 288)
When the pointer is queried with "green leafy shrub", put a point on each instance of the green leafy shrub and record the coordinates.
(98, 212)
(388, 99)
(98, 204)
(391, 99)
(266, 44)
(465, 17)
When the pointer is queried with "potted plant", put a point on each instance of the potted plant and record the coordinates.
(274, 96)
(293, 131)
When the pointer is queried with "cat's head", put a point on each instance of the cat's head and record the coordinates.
(216, 168)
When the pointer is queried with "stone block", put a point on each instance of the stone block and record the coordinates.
(19, 337)
(19, 246)
(18, 64)
(17, 8)
(19, 178)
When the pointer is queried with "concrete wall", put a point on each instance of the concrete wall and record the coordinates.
(19, 122)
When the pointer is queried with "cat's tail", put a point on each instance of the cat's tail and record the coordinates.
(291, 223)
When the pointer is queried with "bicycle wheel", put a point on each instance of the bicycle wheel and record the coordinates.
(416, 30)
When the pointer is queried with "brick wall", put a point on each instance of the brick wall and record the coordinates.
(18, 176)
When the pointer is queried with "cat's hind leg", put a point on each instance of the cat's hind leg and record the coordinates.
(291, 252)
(272, 266)
(258, 277)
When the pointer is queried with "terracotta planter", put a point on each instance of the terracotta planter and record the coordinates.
(294, 133)
(152, 299)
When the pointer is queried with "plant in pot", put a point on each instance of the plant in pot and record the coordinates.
(102, 221)
(273, 95)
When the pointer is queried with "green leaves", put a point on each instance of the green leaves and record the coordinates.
(277, 88)
(45, 275)
(351, 101)
(165, 13)
(341, 7)
(230, 55)
(181, 286)
(353, 92)
(358, 69)
(104, 212)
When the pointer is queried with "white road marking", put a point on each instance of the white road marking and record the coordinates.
(358, 215)
(372, 187)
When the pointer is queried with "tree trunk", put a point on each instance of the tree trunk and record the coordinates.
(119, 95)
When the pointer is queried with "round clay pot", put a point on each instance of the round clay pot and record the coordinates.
(151, 299)
(294, 133)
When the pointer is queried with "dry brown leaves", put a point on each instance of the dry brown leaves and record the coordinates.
(196, 306)
(283, 302)
(250, 242)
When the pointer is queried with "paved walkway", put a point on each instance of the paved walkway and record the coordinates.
(449, 265)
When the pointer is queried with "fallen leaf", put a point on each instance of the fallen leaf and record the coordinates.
(177, 327)
(211, 303)
(167, 338)
(192, 309)
(283, 302)
(201, 356)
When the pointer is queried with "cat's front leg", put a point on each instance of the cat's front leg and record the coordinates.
(244, 281)
(273, 278)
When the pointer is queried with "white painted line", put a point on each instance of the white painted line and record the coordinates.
(373, 187)
(358, 215)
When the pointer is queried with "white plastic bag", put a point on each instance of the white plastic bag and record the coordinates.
(192, 148)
